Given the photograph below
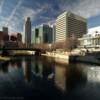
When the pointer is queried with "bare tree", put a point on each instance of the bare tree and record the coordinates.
(67, 45)
(71, 43)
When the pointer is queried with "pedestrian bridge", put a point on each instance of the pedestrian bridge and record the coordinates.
(28, 49)
(7, 51)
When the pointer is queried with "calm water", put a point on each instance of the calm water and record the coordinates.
(42, 78)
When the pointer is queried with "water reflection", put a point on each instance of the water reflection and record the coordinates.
(92, 73)
(4, 67)
(69, 76)
(27, 68)
(44, 74)
(37, 68)
(42, 68)
(64, 77)
(60, 77)
(11, 65)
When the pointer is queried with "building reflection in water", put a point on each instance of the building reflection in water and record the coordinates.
(67, 77)
(60, 77)
(43, 74)
(4, 67)
(27, 68)
(41, 68)
(37, 68)
(93, 73)
(11, 65)
(14, 64)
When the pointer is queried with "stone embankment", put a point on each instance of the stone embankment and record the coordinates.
(70, 57)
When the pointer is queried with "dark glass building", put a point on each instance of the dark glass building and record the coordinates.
(28, 32)
(42, 34)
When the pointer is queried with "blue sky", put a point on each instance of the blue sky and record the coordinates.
(14, 12)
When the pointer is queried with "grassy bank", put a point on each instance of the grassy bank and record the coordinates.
(4, 58)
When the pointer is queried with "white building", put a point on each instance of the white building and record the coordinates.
(69, 25)
(92, 38)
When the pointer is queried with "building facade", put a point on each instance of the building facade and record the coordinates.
(70, 25)
(4, 37)
(16, 37)
(5, 30)
(54, 33)
(28, 32)
(19, 37)
(46, 33)
(42, 34)
(91, 39)
(5, 33)
(35, 38)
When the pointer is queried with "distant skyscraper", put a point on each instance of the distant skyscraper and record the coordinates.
(54, 33)
(28, 32)
(42, 34)
(35, 35)
(69, 25)
(5, 30)
(46, 33)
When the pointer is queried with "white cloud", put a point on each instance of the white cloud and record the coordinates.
(1, 5)
(28, 12)
(20, 19)
(3, 21)
(85, 8)
(88, 8)
(52, 22)
(14, 11)
(13, 21)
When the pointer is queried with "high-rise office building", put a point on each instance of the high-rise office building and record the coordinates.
(5, 30)
(2, 39)
(54, 33)
(28, 32)
(69, 25)
(46, 34)
(35, 35)
(42, 34)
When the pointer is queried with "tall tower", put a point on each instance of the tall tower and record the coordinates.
(5, 30)
(69, 25)
(46, 33)
(54, 33)
(28, 32)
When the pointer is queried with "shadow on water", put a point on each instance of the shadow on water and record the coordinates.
(4, 67)
(40, 77)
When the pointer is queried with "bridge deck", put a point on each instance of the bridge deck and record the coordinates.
(30, 49)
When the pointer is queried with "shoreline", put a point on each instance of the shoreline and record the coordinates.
(65, 59)
(62, 58)
(4, 59)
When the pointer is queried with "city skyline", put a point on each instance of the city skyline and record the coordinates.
(14, 12)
